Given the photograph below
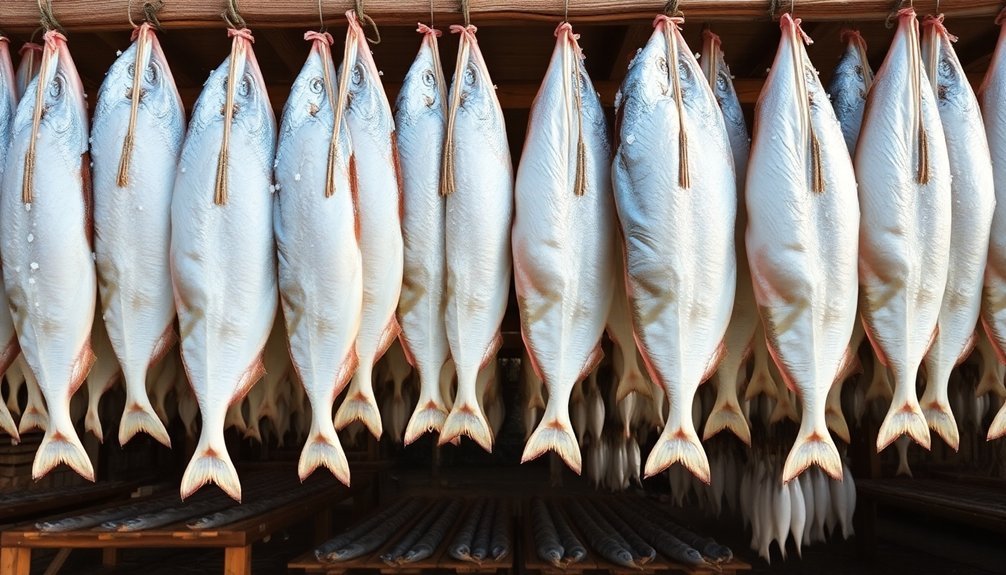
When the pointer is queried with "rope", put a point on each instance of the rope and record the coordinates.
(671, 9)
(466, 13)
(233, 17)
(367, 22)
(47, 18)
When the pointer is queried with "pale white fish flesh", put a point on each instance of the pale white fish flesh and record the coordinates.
(136, 137)
(103, 376)
(372, 130)
(726, 412)
(801, 240)
(563, 240)
(849, 86)
(673, 175)
(226, 298)
(28, 66)
(46, 245)
(904, 242)
(478, 182)
(317, 240)
(972, 194)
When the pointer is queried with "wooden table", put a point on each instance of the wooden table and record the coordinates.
(48, 501)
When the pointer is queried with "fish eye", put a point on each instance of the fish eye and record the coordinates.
(721, 82)
(662, 65)
(429, 79)
(316, 85)
(56, 87)
(470, 75)
(357, 75)
(244, 89)
(151, 73)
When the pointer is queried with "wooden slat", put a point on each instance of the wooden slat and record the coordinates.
(22, 15)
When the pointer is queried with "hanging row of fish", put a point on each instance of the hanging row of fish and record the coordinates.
(669, 237)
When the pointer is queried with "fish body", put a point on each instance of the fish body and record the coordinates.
(973, 201)
(46, 245)
(904, 192)
(802, 236)
(320, 266)
(135, 143)
(372, 131)
(9, 348)
(726, 412)
(103, 376)
(849, 86)
(479, 187)
(563, 240)
(421, 123)
(226, 298)
(673, 176)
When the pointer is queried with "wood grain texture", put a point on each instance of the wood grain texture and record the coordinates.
(22, 15)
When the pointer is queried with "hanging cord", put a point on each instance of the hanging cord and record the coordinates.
(774, 6)
(241, 39)
(233, 17)
(350, 50)
(51, 37)
(800, 64)
(321, 21)
(367, 22)
(671, 24)
(141, 35)
(467, 33)
(571, 66)
(150, 10)
(898, 7)
(466, 13)
(671, 9)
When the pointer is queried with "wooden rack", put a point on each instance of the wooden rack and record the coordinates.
(96, 15)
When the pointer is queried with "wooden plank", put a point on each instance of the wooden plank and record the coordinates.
(237, 560)
(57, 562)
(15, 561)
(23, 15)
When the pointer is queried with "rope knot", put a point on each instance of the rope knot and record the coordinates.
(937, 23)
(786, 19)
(243, 33)
(143, 28)
(51, 39)
(466, 31)
(566, 28)
(313, 36)
(29, 47)
(672, 21)
(426, 30)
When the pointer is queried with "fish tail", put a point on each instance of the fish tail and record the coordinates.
(784, 408)
(727, 414)
(998, 427)
(139, 417)
(92, 422)
(761, 382)
(466, 418)
(632, 381)
(323, 448)
(254, 431)
(360, 404)
(903, 468)
(941, 420)
(904, 417)
(989, 383)
(814, 446)
(33, 418)
(833, 415)
(554, 433)
(880, 384)
(60, 444)
(211, 464)
(7, 424)
(235, 418)
(678, 444)
(427, 418)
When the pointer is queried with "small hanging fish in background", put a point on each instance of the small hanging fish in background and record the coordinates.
(726, 412)
(563, 240)
(46, 245)
(904, 192)
(317, 235)
(677, 198)
(103, 376)
(136, 137)
(372, 131)
(849, 86)
(226, 298)
(421, 124)
(9, 347)
(28, 67)
(35, 414)
(972, 195)
(478, 183)
(802, 235)
(263, 397)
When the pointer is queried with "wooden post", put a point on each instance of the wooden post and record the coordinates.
(57, 562)
(237, 560)
(15, 561)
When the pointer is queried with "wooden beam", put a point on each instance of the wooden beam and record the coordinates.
(23, 15)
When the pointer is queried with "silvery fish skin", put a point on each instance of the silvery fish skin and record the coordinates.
(905, 204)
(478, 262)
(46, 248)
(726, 412)
(8, 337)
(226, 298)
(132, 219)
(320, 267)
(803, 227)
(972, 194)
(103, 376)
(372, 130)
(849, 86)
(421, 122)
(681, 270)
(563, 240)
(27, 68)
(992, 96)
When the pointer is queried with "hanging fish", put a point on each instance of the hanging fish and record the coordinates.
(28, 67)
(849, 86)
(478, 183)
(9, 347)
(972, 196)
(226, 297)
(103, 376)
(677, 197)
(137, 133)
(46, 245)
(904, 242)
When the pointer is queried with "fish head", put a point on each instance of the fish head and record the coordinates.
(423, 91)
(252, 112)
(64, 109)
(158, 94)
(365, 97)
(477, 98)
(309, 99)
(950, 84)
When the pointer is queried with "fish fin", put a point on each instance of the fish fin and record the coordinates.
(164, 344)
(850, 365)
(880, 385)
(211, 465)
(388, 337)
(932, 339)
(92, 423)
(409, 357)
(554, 434)
(678, 446)
(494, 347)
(323, 448)
(969, 346)
(9, 353)
(906, 419)
(998, 427)
(761, 383)
(727, 416)
(878, 353)
(467, 419)
(941, 420)
(833, 415)
(426, 418)
(61, 446)
(7, 424)
(813, 447)
(989, 383)
(632, 381)
(81, 367)
(360, 405)
(33, 418)
(138, 418)
(714, 362)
